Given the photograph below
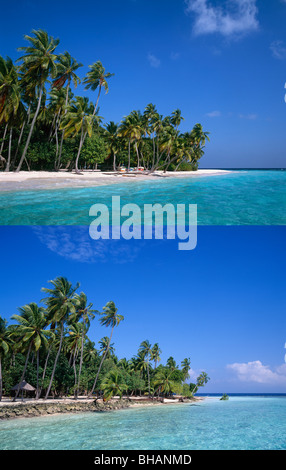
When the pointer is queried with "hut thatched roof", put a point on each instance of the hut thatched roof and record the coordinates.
(23, 386)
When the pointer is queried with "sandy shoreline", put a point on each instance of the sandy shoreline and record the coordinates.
(55, 180)
(31, 408)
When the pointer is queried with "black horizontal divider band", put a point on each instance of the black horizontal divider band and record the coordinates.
(129, 459)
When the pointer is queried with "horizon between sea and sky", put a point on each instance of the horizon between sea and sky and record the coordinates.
(222, 63)
(222, 304)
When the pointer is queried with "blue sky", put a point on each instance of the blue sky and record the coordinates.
(222, 304)
(221, 62)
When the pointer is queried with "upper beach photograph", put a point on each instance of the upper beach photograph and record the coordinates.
(167, 102)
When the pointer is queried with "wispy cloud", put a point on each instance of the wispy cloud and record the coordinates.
(257, 372)
(278, 49)
(75, 244)
(235, 17)
(214, 114)
(153, 61)
(175, 55)
(250, 117)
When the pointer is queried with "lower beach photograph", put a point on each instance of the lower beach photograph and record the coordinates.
(135, 345)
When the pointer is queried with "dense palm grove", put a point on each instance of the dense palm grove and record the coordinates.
(48, 346)
(44, 126)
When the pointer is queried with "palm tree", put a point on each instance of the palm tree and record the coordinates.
(66, 68)
(32, 330)
(150, 114)
(10, 96)
(105, 346)
(186, 367)
(155, 354)
(72, 345)
(131, 129)
(4, 348)
(113, 384)
(10, 101)
(97, 78)
(110, 317)
(60, 305)
(78, 120)
(111, 137)
(85, 312)
(163, 382)
(176, 118)
(146, 350)
(39, 62)
(171, 363)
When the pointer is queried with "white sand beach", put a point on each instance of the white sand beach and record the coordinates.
(12, 181)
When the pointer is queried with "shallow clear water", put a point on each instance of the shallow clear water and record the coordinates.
(241, 423)
(240, 198)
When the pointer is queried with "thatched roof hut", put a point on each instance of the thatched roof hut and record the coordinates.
(23, 386)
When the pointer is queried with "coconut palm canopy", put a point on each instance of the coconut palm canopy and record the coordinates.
(48, 346)
(44, 126)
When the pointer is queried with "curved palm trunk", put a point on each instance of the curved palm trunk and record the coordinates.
(114, 162)
(44, 371)
(138, 158)
(80, 362)
(31, 130)
(24, 371)
(37, 390)
(55, 363)
(101, 362)
(9, 151)
(82, 137)
(148, 375)
(58, 162)
(129, 145)
(3, 138)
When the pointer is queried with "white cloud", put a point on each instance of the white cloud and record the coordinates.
(214, 114)
(250, 117)
(278, 49)
(154, 61)
(235, 17)
(75, 244)
(257, 372)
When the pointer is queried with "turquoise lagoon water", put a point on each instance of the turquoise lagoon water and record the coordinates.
(240, 198)
(241, 423)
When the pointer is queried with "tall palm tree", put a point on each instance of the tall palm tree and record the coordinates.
(78, 120)
(130, 129)
(176, 118)
(72, 345)
(146, 349)
(85, 313)
(150, 114)
(111, 137)
(105, 346)
(32, 321)
(110, 317)
(10, 102)
(155, 354)
(66, 68)
(60, 306)
(97, 78)
(38, 63)
(186, 363)
(4, 348)
(10, 96)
